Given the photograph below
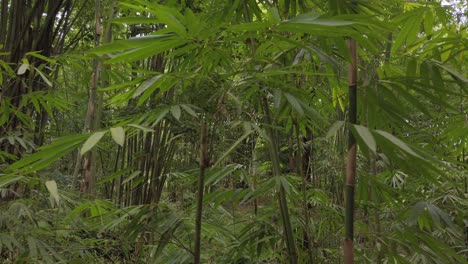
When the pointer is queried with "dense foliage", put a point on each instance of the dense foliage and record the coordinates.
(223, 131)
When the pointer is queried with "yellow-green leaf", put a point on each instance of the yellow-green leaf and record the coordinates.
(337, 125)
(118, 135)
(398, 142)
(367, 137)
(92, 140)
(22, 69)
(175, 110)
(53, 190)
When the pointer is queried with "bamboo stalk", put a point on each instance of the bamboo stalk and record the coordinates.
(275, 163)
(351, 157)
(201, 183)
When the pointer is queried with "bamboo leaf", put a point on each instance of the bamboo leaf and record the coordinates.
(42, 57)
(131, 176)
(75, 213)
(135, 20)
(114, 176)
(456, 75)
(132, 43)
(142, 52)
(295, 103)
(189, 110)
(92, 140)
(6, 180)
(146, 84)
(398, 142)
(165, 239)
(314, 19)
(334, 128)
(233, 147)
(366, 136)
(214, 175)
(53, 190)
(43, 77)
(144, 129)
(23, 68)
(118, 134)
(252, 26)
(48, 153)
(175, 111)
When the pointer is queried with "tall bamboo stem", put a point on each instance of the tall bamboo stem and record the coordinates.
(201, 183)
(351, 159)
(283, 203)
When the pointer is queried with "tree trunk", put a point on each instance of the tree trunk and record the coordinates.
(92, 121)
(201, 182)
(282, 197)
(351, 158)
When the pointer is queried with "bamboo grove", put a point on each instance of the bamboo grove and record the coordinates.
(235, 131)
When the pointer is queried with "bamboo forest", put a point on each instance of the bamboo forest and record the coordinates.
(234, 131)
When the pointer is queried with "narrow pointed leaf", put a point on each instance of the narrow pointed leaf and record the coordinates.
(295, 103)
(398, 142)
(146, 84)
(334, 128)
(92, 140)
(367, 137)
(175, 111)
(22, 69)
(53, 190)
(118, 135)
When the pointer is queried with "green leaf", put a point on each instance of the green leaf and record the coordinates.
(252, 26)
(165, 239)
(48, 154)
(189, 110)
(314, 19)
(114, 175)
(295, 103)
(334, 128)
(233, 147)
(43, 77)
(38, 55)
(175, 111)
(410, 28)
(146, 84)
(131, 176)
(142, 52)
(118, 134)
(398, 142)
(214, 175)
(367, 137)
(132, 43)
(6, 180)
(22, 69)
(92, 140)
(145, 129)
(456, 75)
(428, 22)
(53, 190)
(75, 213)
(135, 20)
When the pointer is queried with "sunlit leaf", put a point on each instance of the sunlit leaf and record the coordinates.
(22, 69)
(144, 129)
(402, 145)
(176, 112)
(131, 177)
(92, 140)
(118, 134)
(146, 84)
(366, 136)
(53, 190)
(334, 128)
